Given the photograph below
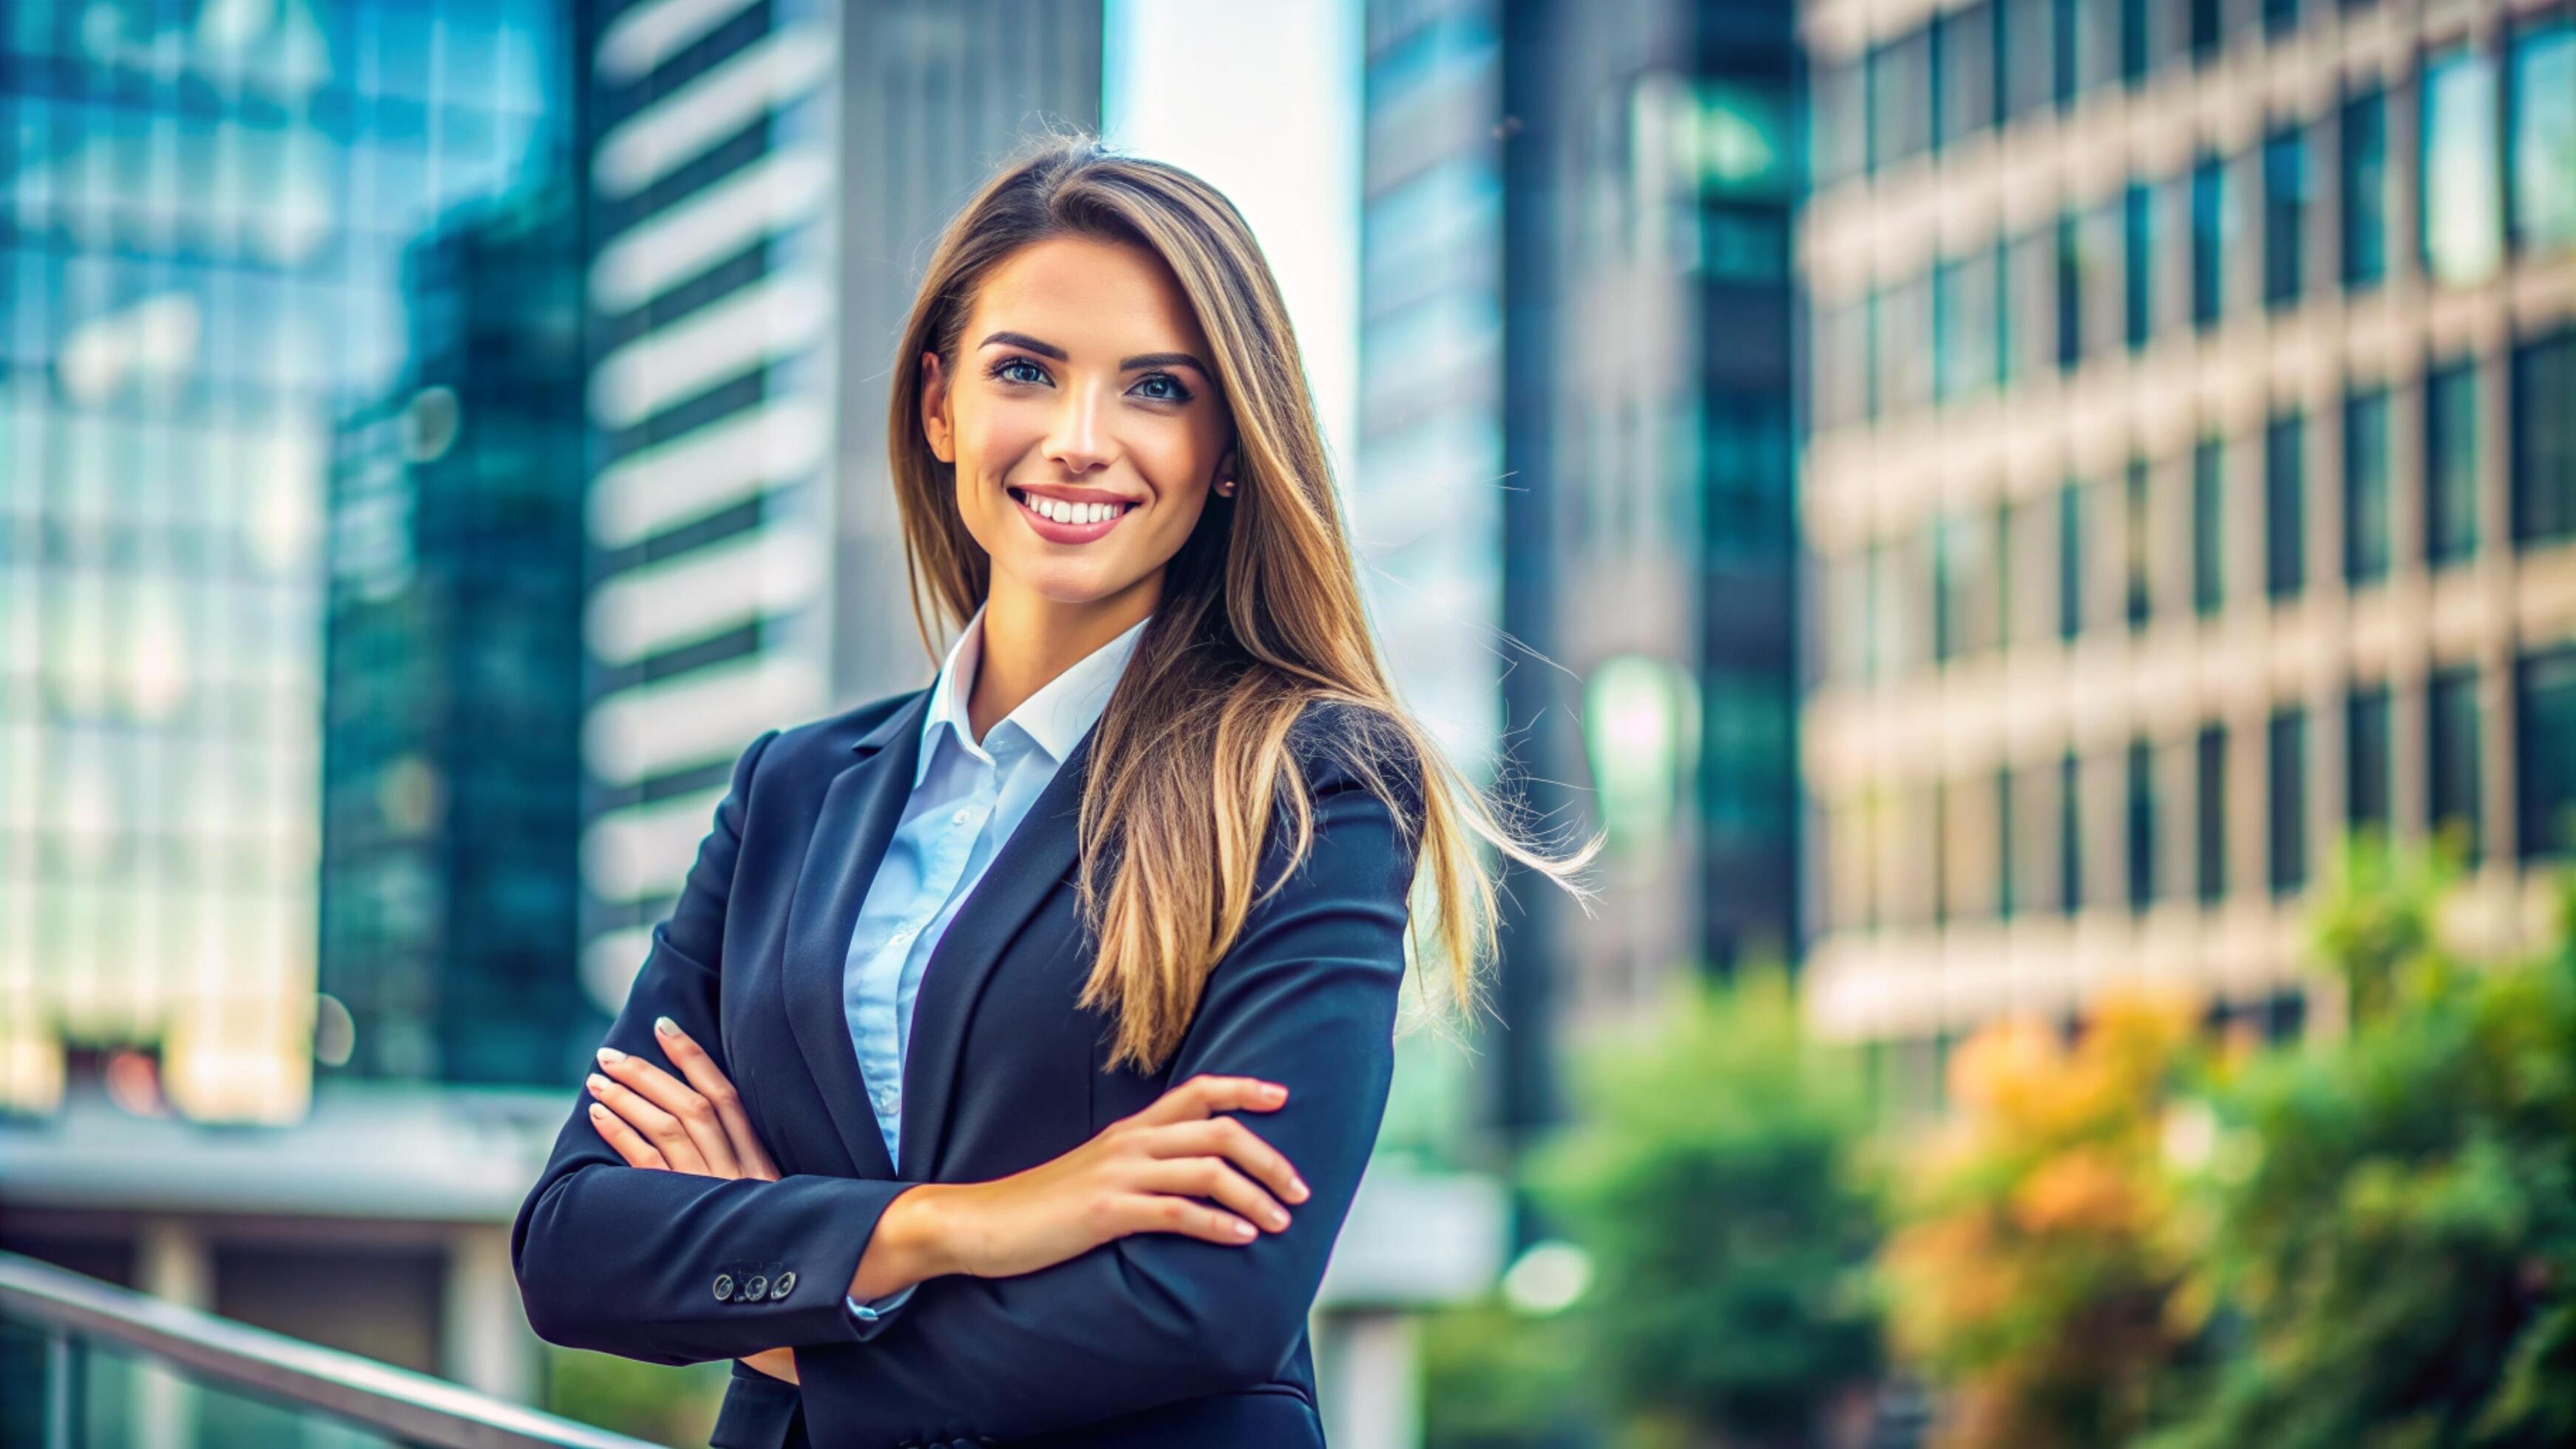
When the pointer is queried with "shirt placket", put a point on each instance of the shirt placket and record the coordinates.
(953, 844)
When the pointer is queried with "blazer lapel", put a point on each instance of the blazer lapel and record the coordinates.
(860, 811)
(1040, 854)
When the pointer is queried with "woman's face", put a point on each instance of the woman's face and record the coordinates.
(1082, 380)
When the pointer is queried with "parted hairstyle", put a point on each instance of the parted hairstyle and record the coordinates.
(1260, 617)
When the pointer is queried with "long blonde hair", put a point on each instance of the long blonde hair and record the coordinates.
(1260, 615)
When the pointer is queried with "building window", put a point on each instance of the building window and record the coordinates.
(2138, 264)
(2462, 189)
(2004, 865)
(2070, 560)
(2137, 48)
(2451, 463)
(1900, 98)
(2545, 721)
(2285, 215)
(2070, 291)
(2208, 526)
(2208, 29)
(2365, 486)
(2026, 59)
(2455, 780)
(1839, 141)
(2142, 825)
(2064, 30)
(2100, 49)
(1965, 604)
(2070, 833)
(2209, 814)
(2544, 439)
(2367, 759)
(2365, 189)
(2285, 524)
(2543, 136)
(1964, 327)
(2288, 831)
(2135, 541)
(2030, 283)
(1964, 71)
(2212, 233)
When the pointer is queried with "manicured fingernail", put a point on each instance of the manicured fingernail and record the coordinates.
(1274, 1091)
(598, 1083)
(1243, 1229)
(610, 1056)
(1298, 1186)
(666, 1026)
(598, 1113)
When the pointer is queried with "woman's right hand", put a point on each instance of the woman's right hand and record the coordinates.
(1175, 1167)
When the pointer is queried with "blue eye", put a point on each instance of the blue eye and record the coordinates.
(1178, 393)
(1008, 363)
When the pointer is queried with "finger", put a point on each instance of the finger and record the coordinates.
(658, 1127)
(1187, 1216)
(717, 1088)
(1227, 1137)
(1216, 1180)
(636, 1151)
(695, 1114)
(1205, 1096)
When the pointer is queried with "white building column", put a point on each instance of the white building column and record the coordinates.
(484, 1341)
(174, 1262)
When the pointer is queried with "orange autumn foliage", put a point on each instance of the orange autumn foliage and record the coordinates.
(2034, 1273)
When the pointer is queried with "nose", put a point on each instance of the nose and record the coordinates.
(1079, 441)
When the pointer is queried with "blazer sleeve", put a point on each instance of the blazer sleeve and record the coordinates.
(627, 1260)
(1306, 997)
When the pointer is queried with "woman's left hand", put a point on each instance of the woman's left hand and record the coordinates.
(654, 1120)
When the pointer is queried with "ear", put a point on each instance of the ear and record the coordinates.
(935, 424)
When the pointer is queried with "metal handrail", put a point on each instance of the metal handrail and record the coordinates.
(409, 1406)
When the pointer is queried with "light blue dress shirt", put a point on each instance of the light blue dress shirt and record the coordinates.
(968, 795)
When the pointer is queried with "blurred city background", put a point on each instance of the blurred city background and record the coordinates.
(2044, 531)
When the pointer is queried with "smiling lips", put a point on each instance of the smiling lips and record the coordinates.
(1063, 522)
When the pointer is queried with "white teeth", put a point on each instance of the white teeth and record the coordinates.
(1074, 513)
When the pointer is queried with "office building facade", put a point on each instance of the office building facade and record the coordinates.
(764, 183)
(2191, 482)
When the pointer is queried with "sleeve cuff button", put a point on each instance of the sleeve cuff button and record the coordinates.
(724, 1287)
(782, 1285)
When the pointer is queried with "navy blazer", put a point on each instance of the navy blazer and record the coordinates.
(1153, 1339)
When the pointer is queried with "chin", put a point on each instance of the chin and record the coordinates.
(1050, 580)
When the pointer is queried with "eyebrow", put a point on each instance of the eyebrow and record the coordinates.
(1125, 364)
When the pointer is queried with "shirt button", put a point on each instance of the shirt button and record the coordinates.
(962, 815)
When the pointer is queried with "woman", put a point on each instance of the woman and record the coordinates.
(924, 1103)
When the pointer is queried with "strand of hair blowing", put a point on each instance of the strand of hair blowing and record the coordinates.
(1260, 617)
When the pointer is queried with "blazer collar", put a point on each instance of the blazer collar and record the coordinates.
(857, 821)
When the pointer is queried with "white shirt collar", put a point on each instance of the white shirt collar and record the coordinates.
(1055, 718)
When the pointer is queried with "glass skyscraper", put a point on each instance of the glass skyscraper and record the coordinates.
(453, 700)
(203, 214)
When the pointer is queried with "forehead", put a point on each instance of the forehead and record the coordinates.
(1095, 299)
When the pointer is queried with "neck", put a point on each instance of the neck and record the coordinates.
(1029, 639)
